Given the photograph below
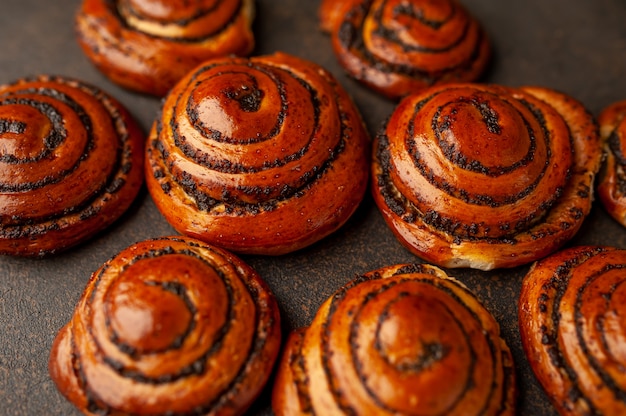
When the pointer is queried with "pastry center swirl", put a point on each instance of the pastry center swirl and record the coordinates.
(416, 28)
(47, 143)
(479, 136)
(228, 106)
(171, 10)
(412, 336)
(250, 133)
(152, 307)
(29, 130)
(179, 19)
(417, 333)
(407, 19)
(150, 315)
(478, 162)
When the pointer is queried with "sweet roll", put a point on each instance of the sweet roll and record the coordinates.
(169, 326)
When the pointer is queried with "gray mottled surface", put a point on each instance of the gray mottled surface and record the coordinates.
(576, 46)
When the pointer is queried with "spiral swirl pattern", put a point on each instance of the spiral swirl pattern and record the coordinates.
(148, 45)
(169, 326)
(397, 47)
(402, 340)
(612, 183)
(265, 155)
(486, 176)
(571, 311)
(71, 162)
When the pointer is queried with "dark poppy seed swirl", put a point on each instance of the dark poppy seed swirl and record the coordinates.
(486, 176)
(71, 162)
(398, 47)
(405, 339)
(148, 46)
(169, 326)
(612, 183)
(263, 155)
(571, 318)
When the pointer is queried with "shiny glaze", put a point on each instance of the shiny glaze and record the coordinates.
(263, 155)
(148, 45)
(486, 176)
(612, 184)
(70, 164)
(404, 339)
(168, 326)
(571, 310)
(399, 47)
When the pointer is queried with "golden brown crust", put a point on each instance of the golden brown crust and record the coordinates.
(168, 326)
(612, 183)
(486, 176)
(571, 310)
(393, 341)
(398, 47)
(148, 45)
(71, 164)
(264, 155)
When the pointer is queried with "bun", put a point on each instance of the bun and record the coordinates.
(571, 310)
(71, 163)
(264, 155)
(486, 176)
(397, 48)
(395, 341)
(612, 182)
(168, 326)
(149, 46)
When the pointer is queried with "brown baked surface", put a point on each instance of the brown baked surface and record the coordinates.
(393, 340)
(168, 325)
(72, 164)
(570, 311)
(148, 46)
(486, 176)
(397, 48)
(574, 46)
(612, 181)
(265, 155)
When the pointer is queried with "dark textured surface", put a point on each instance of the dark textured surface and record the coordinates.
(578, 47)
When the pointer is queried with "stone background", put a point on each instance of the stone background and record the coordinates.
(576, 46)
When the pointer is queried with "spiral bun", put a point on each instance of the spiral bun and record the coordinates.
(571, 310)
(71, 162)
(399, 47)
(486, 176)
(612, 183)
(401, 340)
(169, 326)
(148, 45)
(264, 156)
